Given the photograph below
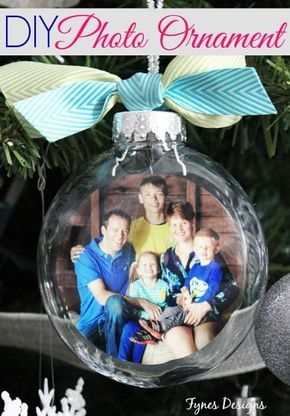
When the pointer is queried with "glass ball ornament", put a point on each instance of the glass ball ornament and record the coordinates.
(152, 144)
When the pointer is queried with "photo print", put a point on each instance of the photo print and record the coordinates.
(150, 268)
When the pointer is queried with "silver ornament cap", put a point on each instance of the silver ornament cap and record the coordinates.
(154, 126)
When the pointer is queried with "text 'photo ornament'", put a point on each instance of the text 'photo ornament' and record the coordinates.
(151, 259)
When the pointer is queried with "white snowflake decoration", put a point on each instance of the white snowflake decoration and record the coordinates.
(13, 407)
(46, 398)
(73, 404)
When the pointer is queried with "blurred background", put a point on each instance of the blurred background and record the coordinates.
(255, 152)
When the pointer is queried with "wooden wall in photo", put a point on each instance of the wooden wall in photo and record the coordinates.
(211, 214)
(123, 194)
(82, 223)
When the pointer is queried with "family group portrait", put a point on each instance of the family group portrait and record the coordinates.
(152, 268)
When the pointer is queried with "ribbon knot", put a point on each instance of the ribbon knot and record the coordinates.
(56, 101)
(141, 92)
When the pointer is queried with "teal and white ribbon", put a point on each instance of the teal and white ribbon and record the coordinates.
(56, 101)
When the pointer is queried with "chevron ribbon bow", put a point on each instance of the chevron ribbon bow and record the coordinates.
(56, 101)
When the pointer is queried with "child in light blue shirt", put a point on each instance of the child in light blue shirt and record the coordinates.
(147, 286)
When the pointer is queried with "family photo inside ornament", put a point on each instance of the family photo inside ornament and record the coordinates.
(151, 260)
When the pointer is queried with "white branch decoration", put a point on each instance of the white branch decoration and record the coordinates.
(73, 404)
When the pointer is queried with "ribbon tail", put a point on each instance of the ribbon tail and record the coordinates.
(23, 81)
(67, 110)
(226, 92)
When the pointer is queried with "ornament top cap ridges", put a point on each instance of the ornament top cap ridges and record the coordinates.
(153, 126)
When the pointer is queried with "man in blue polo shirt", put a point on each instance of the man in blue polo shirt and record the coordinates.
(102, 279)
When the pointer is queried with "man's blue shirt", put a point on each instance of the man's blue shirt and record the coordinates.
(94, 264)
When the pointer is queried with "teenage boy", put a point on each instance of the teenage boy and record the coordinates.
(151, 231)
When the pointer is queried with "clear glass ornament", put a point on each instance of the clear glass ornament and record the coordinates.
(151, 143)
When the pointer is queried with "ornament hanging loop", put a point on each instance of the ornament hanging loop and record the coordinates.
(153, 60)
(118, 160)
(179, 161)
(153, 64)
(248, 405)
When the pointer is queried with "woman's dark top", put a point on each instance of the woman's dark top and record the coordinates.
(175, 274)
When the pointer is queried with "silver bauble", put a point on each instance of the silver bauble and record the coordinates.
(272, 329)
